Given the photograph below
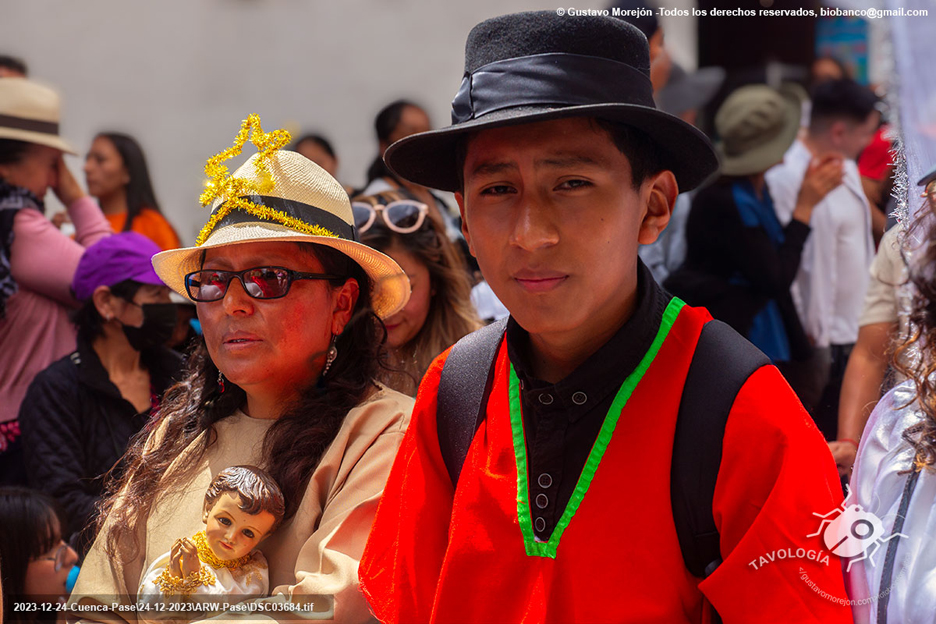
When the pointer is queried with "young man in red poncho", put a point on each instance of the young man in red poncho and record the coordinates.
(569, 499)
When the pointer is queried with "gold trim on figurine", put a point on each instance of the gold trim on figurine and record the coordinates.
(207, 556)
(172, 585)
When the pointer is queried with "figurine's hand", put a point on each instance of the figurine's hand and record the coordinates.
(175, 559)
(183, 558)
(188, 558)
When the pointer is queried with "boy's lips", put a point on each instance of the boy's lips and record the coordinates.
(539, 281)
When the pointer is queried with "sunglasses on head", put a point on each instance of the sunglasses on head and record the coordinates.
(260, 283)
(403, 216)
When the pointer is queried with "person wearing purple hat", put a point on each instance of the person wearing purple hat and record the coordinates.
(80, 413)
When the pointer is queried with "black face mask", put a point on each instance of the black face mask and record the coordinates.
(159, 321)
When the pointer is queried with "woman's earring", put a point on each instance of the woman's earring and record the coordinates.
(330, 356)
(221, 382)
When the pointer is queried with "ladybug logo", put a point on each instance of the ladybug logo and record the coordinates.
(853, 533)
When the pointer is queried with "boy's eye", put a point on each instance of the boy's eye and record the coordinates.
(500, 189)
(248, 533)
(224, 521)
(574, 184)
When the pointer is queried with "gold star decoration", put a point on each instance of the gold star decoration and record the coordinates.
(233, 190)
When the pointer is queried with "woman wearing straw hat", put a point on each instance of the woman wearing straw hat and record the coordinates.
(37, 261)
(740, 261)
(289, 305)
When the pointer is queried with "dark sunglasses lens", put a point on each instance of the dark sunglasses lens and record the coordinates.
(362, 214)
(402, 215)
(207, 285)
(266, 283)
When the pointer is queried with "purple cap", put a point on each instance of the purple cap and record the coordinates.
(111, 260)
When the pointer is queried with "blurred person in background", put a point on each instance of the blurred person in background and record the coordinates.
(116, 174)
(319, 150)
(439, 311)
(643, 15)
(833, 275)
(12, 67)
(81, 412)
(741, 261)
(826, 68)
(876, 166)
(395, 121)
(684, 95)
(37, 262)
(882, 327)
(36, 562)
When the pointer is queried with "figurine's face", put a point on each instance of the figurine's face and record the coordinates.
(232, 532)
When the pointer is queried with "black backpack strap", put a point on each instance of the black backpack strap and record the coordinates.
(887, 575)
(464, 386)
(722, 362)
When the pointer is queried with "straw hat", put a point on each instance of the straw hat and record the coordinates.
(757, 125)
(30, 112)
(293, 200)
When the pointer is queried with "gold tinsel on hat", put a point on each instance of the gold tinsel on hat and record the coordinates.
(233, 190)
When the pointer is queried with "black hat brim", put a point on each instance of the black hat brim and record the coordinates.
(431, 158)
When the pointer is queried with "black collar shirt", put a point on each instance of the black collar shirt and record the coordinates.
(561, 421)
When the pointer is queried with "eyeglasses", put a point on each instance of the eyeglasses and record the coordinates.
(260, 282)
(403, 216)
(61, 554)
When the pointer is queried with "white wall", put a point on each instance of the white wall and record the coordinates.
(180, 75)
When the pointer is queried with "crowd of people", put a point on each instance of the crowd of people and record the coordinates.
(593, 255)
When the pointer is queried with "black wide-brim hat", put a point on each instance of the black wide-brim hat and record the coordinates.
(538, 66)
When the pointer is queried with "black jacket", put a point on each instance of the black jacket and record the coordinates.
(720, 247)
(76, 426)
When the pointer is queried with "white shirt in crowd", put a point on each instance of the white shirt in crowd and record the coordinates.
(830, 287)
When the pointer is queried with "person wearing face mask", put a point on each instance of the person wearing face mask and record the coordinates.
(80, 413)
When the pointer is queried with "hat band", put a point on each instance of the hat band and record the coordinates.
(557, 79)
(30, 125)
(315, 219)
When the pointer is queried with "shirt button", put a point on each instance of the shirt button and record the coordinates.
(542, 501)
(544, 481)
(540, 525)
(579, 398)
(546, 399)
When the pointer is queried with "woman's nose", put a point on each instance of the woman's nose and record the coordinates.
(236, 298)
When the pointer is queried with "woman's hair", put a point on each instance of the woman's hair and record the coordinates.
(256, 489)
(12, 151)
(451, 313)
(87, 318)
(292, 446)
(31, 526)
(386, 122)
(140, 192)
(916, 356)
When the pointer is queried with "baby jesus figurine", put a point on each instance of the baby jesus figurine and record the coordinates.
(243, 505)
